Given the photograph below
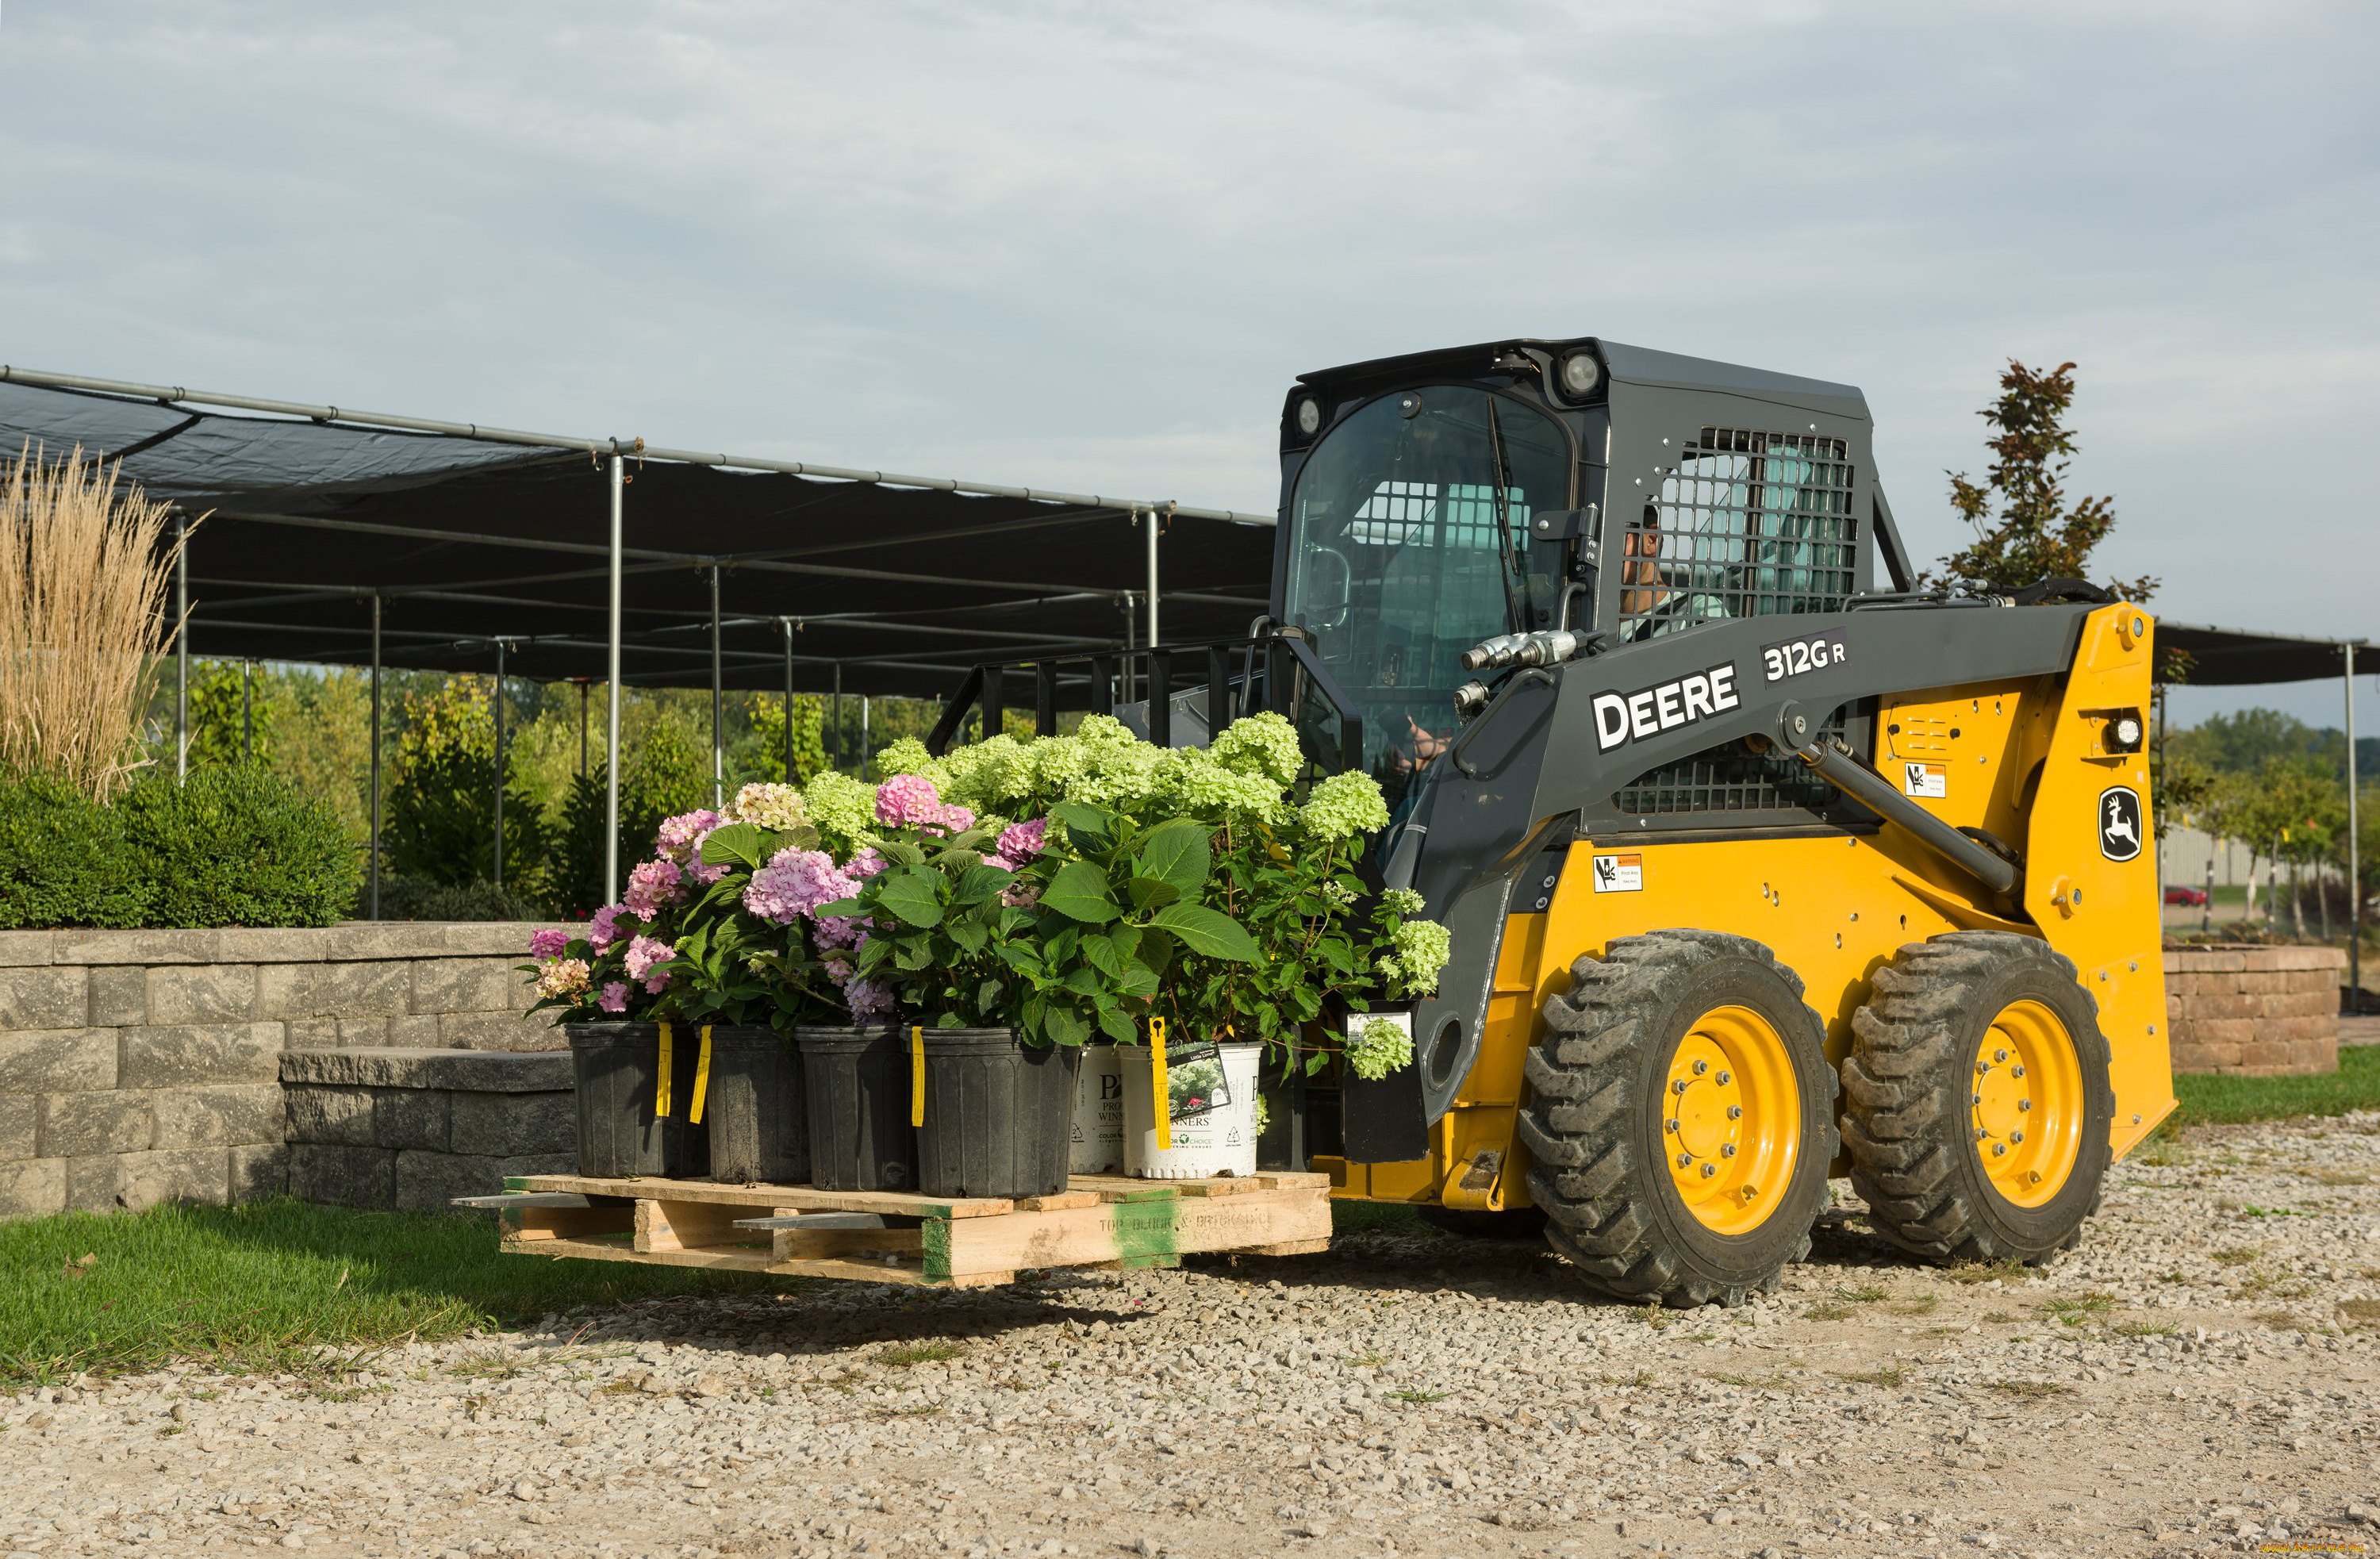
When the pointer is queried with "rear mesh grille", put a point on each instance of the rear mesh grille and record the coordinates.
(1746, 525)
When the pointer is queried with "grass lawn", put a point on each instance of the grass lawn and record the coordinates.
(2206, 1098)
(263, 1285)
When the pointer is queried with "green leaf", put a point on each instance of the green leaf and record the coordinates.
(1178, 853)
(900, 852)
(970, 936)
(1119, 1027)
(909, 892)
(747, 844)
(1151, 893)
(1208, 932)
(1089, 828)
(1100, 954)
(987, 997)
(981, 883)
(1157, 949)
(1080, 892)
(1065, 1026)
(1082, 981)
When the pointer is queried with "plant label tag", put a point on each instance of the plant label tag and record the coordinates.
(1620, 874)
(1928, 782)
(1194, 1083)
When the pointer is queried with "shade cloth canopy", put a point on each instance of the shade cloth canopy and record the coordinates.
(478, 534)
(2225, 657)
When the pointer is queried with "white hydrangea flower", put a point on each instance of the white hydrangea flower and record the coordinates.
(767, 805)
(1263, 744)
(1378, 1047)
(1342, 805)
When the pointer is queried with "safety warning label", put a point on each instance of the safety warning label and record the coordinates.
(1619, 874)
(1931, 781)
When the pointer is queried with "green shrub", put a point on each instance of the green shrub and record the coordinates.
(226, 846)
(664, 774)
(237, 846)
(62, 860)
(441, 822)
(418, 898)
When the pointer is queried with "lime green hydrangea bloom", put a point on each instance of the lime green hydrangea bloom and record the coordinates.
(908, 755)
(1192, 784)
(1417, 951)
(1378, 1047)
(1342, 805)
(844, 811)
(1260, 744)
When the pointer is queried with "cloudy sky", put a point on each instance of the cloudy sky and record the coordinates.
(1089, 245)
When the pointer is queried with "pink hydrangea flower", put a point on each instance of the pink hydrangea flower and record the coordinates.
(867, 998)
(867, 863)
(679, 837)
(908, 798)
(644, 953)
(614, 997)
(1021, 895)
(1020, 841)
(563, 977)
(706, 875)
(652, 884)
(548, 942)
(603, 931)
(840, 930)
(955, 820)
(795, 882)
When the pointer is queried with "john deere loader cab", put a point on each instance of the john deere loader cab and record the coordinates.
(1759, 864)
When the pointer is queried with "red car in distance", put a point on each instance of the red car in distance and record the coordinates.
(2177, 893)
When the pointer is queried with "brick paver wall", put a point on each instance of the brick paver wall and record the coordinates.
(140, 1066)
(2253, 1010)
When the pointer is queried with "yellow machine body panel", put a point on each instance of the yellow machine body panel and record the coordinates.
(2027, 761)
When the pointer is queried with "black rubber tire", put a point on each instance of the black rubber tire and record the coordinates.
(1515, 1222)
(1906, 1095)
(1592, 1123)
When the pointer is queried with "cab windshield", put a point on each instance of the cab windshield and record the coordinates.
(1409, 544)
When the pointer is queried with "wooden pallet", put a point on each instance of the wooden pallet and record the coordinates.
(894, 1237)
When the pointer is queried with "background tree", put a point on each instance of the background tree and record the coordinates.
(2024, 529)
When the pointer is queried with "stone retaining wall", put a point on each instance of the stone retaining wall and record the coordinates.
(140, 1066)
(415, 1128)
(2254, 1010)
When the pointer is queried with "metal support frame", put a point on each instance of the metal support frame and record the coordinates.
(1154, 524)
(863, 735)
(611, 702)
(2354, 862)
(374, 862)
(181, 645)
(497, 703)
(247, 711)
(718, 707)
(840, 754)
(584, 689)
(786, 625)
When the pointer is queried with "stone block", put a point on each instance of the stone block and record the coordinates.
(218, 1116)
(2229, 960)
(33, 1187)
(442, 985)
(465, 1070)
(2224, 1031)
(333, 1115)
(177, 1057)
(2262, 982)
(500, 1030)
(119, 996)
(349, 1176)
(418, 1032)
(2325, 960)
(133, 947)
(354, 940)
(2204, 1058)
(203, 994)
(430, 1182)
(40, 996)
(199, 1175)
(21, 1118)
(411, 1117)
(497, 939)
(330, 990)
(310, 1033)
(91, 1184)
(363, 1033)
(56, 1060)
(272, 945)
(20, 948)
(254, 1171)
(109, 1121)
(499, 1124)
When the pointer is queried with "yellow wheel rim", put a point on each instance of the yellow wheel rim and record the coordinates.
(2025, 1098)
(1732, 1119)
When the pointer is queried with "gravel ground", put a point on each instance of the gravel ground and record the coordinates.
(2198, 1378)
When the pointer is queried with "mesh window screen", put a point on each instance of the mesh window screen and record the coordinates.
(1747, 525)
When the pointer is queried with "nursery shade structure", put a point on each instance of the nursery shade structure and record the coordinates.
(343, 537)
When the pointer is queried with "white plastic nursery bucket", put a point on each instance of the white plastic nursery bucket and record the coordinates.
(1212, 1090)
(1098, 1147)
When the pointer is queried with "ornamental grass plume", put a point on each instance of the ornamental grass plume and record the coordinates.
(83, 614)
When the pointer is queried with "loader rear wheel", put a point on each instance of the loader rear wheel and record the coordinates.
(1682, 1118)
(1977, 1107)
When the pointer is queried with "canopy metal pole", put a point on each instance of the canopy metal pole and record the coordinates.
(786, 626)
(583, 690)
(499, 763)
(181, 645)
(2354, 862)
(1153, 640)
(375, 756)
(612, 705)
(247, 711)
(841, 752)
(718, 720)
(863, 735)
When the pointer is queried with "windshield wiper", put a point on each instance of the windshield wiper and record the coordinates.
(1515, 620)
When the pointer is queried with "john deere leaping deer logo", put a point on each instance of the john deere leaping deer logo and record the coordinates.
(2119, 822)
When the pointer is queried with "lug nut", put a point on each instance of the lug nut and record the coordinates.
(1672, 1124)
(1725, 1079)
(1981, 1134)
(1999, 1056)
(1982, 1067)
(1684, 1159)
(1702, 1067)
(1727, 1150)
(2016, 1136)
(1974, 1097)
(2017, 1072)
(2024, 1104)
(1998, 1148)
(1678, 1087)
(1710, 1170)
(1735, 1112)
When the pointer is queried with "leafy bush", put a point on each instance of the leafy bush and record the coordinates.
(419, 898)
(226, 847)
(663, 775)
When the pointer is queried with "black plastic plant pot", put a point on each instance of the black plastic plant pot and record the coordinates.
(999, 1114)
(620, 1131)
(758, 1124)
(855, 1083)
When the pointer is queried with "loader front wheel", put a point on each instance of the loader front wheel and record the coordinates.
(1680, 1118)
(1977, 1107)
